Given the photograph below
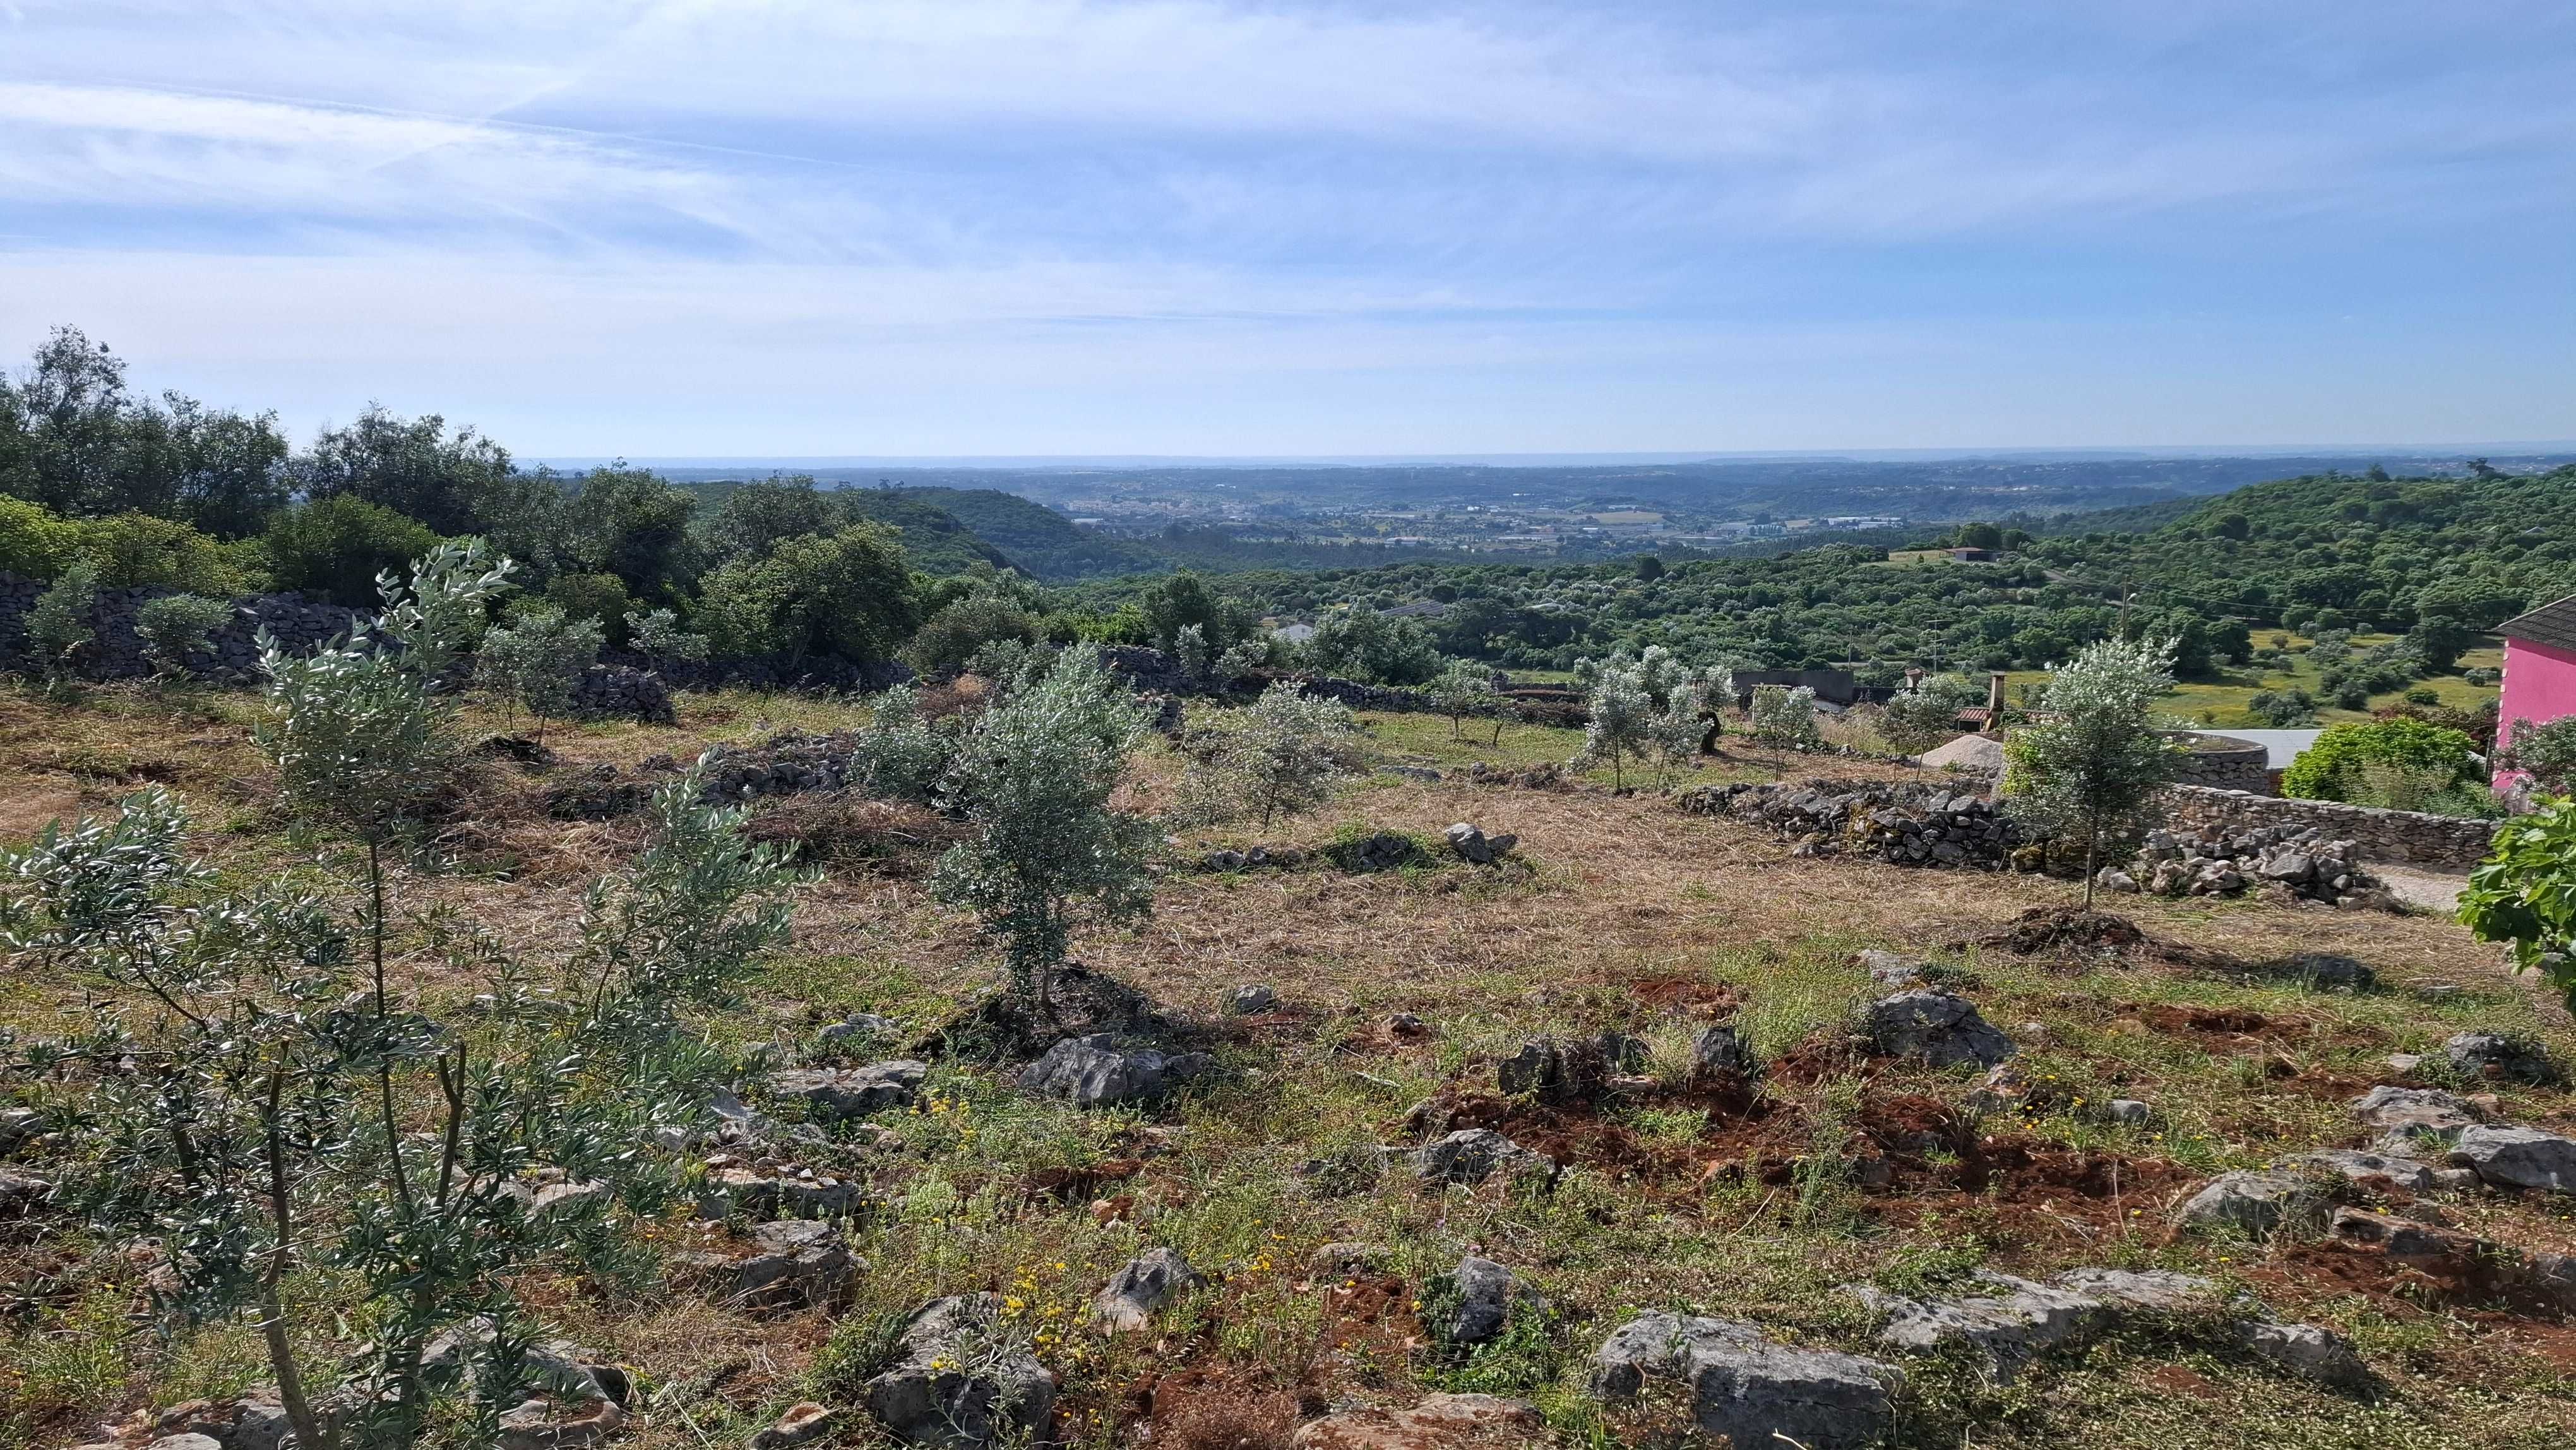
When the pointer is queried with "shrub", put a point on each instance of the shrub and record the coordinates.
(900, 756)
(2329, 769)
(139, 551)
(175, 626)
(2525, 893)
(538, 660)
(335, 548)
(1921, 718)
(2094, 767)
(58, 627)
(1288, 752)
(954, 635)
(846, 594)
(657, 635)
(1359, 643)
(35, 543)
(1033, 780)
(2546, 753)
(2282, 709)
(599, 598)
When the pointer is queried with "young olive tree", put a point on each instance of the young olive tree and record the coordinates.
(2098, 763)
(899, 755)
(1286, 753)
(175, 626)
(657, 635)
(1465, 690)
(2525, 893)
(1033, 778)
(1784, 718)
(1922, 717)
(58, 627)
(538, 661)
(229, 1101)
(1641, 709)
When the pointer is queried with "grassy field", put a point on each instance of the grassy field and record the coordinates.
(2221, 703)
(1617, 912)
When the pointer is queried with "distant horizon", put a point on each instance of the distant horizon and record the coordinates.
(2517, 449)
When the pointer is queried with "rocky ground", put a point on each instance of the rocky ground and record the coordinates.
(1643, 1129)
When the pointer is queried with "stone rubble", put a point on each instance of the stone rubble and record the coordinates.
(1742, 1384)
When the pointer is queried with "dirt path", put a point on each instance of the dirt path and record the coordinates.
(2416, 886)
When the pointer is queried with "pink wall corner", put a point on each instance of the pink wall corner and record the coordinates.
(2539, 686)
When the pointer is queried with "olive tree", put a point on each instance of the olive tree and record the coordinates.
(249, 1115)
(1463, 690)
(175, 626)
(1641, 709)
(1033, 779)
(1926, 715)
(1285, 753)
(58, 627)
(2095, 762)
(537, 661)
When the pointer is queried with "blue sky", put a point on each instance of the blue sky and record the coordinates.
(994, 227)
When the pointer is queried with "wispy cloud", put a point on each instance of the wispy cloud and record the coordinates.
(992, 188)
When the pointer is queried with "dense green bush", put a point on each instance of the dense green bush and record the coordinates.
(175, 626)
(598, 598)
(1359, 643)
(846, 594)
(959, 632)
(2330, 770)
(35, 541)
(333, 548)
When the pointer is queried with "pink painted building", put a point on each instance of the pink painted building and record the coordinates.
(2539, 670)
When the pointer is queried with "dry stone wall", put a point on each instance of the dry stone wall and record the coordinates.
(2377, 835)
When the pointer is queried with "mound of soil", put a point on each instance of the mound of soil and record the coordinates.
(2065, 928)
(1006, 1026)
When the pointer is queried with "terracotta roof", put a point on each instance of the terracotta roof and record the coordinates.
(2550, 624)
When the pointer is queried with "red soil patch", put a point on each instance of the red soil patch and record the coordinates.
(1688, 996)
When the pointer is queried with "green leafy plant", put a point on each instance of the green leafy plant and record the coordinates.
(2546, 753)
(2096, 763)
(538, 660)
(1034, 779)
(2330, 769)
(58, 627)
(175, 626)
(251, 1114)
(656, 634)
(1641, 709)
(899, 755)
(1923, 717)
(1464, 690)
(1288, 752)
(2524, 893)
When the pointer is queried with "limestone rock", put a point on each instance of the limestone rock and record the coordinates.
(1337, 1261)
(1722, 1052)
(2128, 1112)
(848, 1094)
(1475, 847)
(2501, 1055)
(2308, 1351)
(794, 1261)
(1472, 1155)
(1938, 1028)
(1485, 1295)
(1251, 1000)
(2518, 1158)
(2362, 1167)
(1889, 970)
(2261, 1202)
(1440, 1422)
(1745, 1386)
(961, 1384)
(1141, 1286)
(1095, 1071)
(2412, 1115)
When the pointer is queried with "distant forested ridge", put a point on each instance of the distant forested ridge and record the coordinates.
(2332, 551)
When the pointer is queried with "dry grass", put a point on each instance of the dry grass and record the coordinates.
(1619, 912)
